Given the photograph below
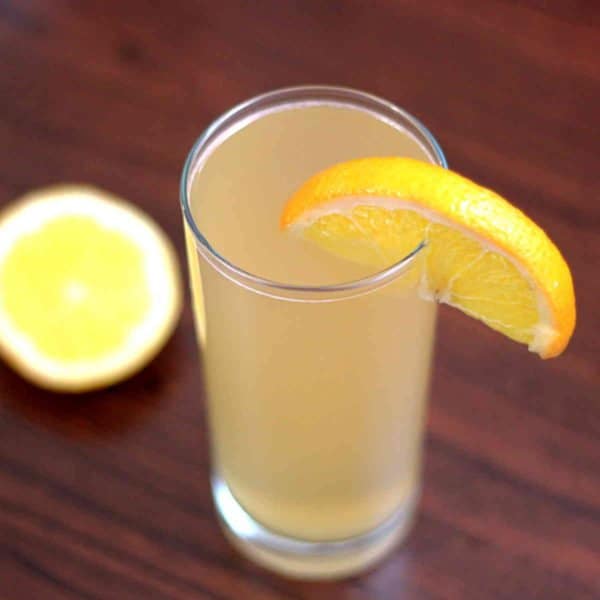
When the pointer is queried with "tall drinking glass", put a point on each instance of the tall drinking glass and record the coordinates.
(316, 369)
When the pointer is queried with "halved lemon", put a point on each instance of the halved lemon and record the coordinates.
(90, 288)
(482, 255)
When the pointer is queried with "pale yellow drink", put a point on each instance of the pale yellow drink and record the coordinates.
(316, 398)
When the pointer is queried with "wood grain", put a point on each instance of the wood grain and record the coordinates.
(106, 496)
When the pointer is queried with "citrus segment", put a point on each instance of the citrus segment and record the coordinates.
(482, 255)
(89, 288)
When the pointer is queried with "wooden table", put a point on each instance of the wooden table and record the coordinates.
(106, 496)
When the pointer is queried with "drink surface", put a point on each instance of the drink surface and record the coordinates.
(244, 185)
(316, 409)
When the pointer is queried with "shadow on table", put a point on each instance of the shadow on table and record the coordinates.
(99, 414)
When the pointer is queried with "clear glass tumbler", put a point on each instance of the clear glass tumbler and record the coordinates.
(316, 392)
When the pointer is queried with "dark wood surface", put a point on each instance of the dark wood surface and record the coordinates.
(106, 496)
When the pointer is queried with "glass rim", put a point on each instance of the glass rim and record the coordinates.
(244, 113)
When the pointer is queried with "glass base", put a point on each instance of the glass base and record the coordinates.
(304, 559)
